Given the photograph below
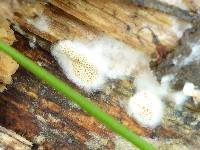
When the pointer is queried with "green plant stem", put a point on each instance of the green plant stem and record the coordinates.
(77, 98)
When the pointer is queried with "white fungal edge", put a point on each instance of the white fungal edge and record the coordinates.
(113, 59)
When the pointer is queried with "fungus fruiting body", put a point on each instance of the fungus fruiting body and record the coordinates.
(79, 64)
(89, 64)
(146, 108)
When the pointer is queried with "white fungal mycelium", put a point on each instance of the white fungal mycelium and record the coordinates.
(146, 108)
(179, 98)
(89, 64)
(79, 63)
(146, 105)
(146, 80)
(120, 59)
(189, 89)
(165, 81)
(41, 23)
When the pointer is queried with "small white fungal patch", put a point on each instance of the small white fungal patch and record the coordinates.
(120, 59)
(179, 98)
(188, 89)
(165, 81)
(146, 108)
(146, 80)
(32, 42)
(41, 23)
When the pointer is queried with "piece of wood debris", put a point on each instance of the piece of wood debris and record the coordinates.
(7, 65)
(12, 141)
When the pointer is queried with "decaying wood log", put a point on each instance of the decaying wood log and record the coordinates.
(37, 112)
(50, 121)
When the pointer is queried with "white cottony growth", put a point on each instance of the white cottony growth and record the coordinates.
(188, 89)
(179, 98)
(165, 81)
(146, 108)
(120, 59)
(146, 80)
(89, 64)
(32, 42)
(41, 23)
(80, 64)
(146, 105)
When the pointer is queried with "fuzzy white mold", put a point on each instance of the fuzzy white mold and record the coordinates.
(89, 64)
(179, 98)
(79, 64)
(188, 89)
(165, 81)
(146, 80)
(41, 23)
(146, 108)
(120, 59)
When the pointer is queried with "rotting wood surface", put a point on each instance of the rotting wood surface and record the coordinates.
(34, 110)
(50, 121)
